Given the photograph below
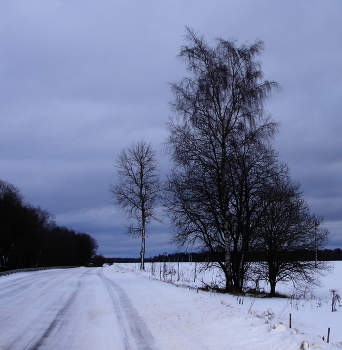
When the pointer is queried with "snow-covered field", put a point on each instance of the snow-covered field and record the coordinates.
(119, 307)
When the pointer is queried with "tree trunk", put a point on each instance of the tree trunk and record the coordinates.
(228, 267)
(273, 288)
(142, 253)
(143, 238)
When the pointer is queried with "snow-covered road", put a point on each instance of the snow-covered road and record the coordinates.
(68, 309)
(115, 308)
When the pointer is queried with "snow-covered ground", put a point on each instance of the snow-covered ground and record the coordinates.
(119, 307)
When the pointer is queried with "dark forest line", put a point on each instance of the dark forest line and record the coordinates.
(29, 236)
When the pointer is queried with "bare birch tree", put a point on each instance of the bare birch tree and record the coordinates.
(219, 121)
(137, 190)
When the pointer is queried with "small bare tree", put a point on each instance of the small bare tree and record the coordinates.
(290, 236)
(137, 190)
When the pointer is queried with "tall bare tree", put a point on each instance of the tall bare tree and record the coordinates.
(137, 190)
(219, 142)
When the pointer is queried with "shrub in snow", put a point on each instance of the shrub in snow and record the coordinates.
(269, 314)
(335, 298)
(295, 332)
(278, 328)
(305, 345)
(226, 303)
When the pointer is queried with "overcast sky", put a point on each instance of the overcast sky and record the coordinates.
(82, 79)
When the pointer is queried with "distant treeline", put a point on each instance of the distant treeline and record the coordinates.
(322, 255)
(29, 237)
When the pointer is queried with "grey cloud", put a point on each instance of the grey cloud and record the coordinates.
(81, 80)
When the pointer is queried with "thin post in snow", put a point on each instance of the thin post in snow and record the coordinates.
(290, 321)
(328, 337)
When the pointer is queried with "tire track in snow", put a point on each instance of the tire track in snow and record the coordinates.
(59, 317)
(134, 330)
(21, 287)
(21, 284)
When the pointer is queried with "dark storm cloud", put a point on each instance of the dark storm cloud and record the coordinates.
(80, 80)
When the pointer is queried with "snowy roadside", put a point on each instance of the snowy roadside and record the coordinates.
(223, 321)
(120, 307)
